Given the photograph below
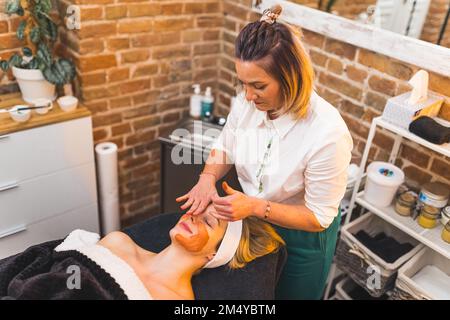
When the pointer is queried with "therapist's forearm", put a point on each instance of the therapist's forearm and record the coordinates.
(217, 164)
(297, 217)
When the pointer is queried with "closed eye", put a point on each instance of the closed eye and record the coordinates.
(260, 87)
(210, 222)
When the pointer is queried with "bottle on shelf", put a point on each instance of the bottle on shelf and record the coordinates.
(207, 104)
(196, 102)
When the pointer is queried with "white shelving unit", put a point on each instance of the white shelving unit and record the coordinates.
(429, 237)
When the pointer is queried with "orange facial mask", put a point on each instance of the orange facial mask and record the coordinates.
(196, 242)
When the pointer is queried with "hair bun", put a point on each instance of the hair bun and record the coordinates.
(271, 15)
(277, 9)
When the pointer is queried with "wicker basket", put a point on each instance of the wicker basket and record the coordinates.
(358, 261)
(406, 288)
(347, 289)
(343, 287)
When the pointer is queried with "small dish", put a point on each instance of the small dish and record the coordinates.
(68, 103)
(20, 116)
(42, 102)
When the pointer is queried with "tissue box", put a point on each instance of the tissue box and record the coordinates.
(400, 113)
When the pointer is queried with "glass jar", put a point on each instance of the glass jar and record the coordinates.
(446, 233)
(434, 194)
(445, 215)
(428, 217)
(405, 203)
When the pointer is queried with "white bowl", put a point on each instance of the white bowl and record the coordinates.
(42, 102)
(20, 116)
(68, 103)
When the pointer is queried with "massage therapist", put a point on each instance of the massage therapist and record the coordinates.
(291, 150)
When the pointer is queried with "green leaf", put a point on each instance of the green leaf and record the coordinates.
(48, 28)
(60, 72)
(4, 65)
(35, 34)
(52, 30)
(46, 5)
(12, 6)
(27, 52)
(50, 75)
(69, 69)
(33, 64)
(43, 53)
(21, 30)
(15, 60)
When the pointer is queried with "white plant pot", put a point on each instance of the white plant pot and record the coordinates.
(33, 85)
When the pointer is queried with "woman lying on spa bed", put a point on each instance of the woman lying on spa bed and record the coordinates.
(115, 267)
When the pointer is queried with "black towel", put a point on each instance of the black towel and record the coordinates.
(383, 246)
(428, 129)
(40, 273)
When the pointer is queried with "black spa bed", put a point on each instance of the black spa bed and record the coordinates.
(41, 273)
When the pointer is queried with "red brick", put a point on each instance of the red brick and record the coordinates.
(441, 168)
(356, 74)
(382, 85)
(101, 29)
(135, 56)
(415, 156)
(116, 12)
(340, 48)
(417, 175)
(173, 24)
(118, 74)
(341, 86)
(135, 26)
(144, 9)
(96, 62)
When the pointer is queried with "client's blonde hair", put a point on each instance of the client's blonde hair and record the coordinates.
(258, 239)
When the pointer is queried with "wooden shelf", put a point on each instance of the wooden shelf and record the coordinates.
(55, 115)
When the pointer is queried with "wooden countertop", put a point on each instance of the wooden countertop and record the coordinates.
(55, 115)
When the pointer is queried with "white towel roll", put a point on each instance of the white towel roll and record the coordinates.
(108, 186)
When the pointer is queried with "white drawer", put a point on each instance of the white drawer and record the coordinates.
(51, 229)
(46, 196)
(34, 152)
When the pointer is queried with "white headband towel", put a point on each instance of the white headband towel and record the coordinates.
(229, 245)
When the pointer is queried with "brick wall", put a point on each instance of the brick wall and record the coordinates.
(8, 45)
(349, 9)
(356, 81)
(434, 21)
(136, 61)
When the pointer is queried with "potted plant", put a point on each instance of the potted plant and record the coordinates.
(36, 69)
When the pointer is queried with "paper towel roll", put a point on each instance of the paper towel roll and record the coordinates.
(108, 186)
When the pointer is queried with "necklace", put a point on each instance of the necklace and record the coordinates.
(260, 171)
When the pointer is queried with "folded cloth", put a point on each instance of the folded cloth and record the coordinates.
(428, 129)
(384, 246)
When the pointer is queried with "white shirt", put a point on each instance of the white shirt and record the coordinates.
(306, 163)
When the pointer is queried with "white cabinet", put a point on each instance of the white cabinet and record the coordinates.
(47, 184)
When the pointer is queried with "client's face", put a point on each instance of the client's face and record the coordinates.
(200, 234)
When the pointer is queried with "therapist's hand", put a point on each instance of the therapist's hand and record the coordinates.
(200, 195)
(235, 206)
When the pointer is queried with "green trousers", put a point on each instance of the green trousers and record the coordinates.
(310, 255)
